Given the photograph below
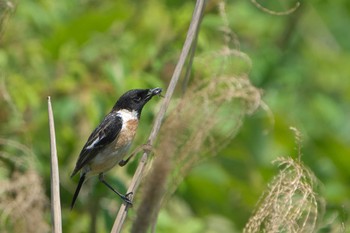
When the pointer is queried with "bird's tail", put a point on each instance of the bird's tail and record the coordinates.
(81, 181)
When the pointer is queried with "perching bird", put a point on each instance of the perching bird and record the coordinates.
(110, 141)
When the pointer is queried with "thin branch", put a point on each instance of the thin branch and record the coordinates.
(191, 34)
(55, 181)
(278, 13)
(191, 58)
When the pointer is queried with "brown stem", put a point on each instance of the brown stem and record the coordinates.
(191, 34)
(55, 180)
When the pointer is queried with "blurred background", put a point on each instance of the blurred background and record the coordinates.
(85, 54)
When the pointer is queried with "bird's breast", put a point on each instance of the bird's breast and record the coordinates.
(127, 133)
(115, 151)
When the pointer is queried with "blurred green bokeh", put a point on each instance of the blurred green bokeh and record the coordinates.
(85, 54)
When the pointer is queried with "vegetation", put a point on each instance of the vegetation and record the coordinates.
(256, 73)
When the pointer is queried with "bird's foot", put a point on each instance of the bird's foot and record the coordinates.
(127, 198)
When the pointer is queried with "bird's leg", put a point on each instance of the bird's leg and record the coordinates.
(124, 197)
(145, 147)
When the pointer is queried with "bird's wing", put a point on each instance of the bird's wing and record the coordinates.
(103, 135)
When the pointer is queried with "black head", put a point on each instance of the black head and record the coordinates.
(134, 100)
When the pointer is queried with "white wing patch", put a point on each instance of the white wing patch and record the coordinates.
(92, 145)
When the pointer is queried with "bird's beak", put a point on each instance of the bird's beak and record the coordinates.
(154, 91)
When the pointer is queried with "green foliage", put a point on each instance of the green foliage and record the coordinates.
(85, 54)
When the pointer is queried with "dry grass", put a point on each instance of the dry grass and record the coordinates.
(202, 123)
(290, 203)
(22, 198)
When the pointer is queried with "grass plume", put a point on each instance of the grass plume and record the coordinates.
(22, 198)
(290, 203)
(207, 117)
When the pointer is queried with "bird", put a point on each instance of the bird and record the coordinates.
(110, 141)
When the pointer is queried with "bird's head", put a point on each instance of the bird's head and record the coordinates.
(135, 99)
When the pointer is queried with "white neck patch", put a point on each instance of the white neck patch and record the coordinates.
(127, 115)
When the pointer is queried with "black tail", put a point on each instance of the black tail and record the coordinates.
(81, 181)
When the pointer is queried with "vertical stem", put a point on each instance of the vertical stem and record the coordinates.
(191, 35)
(55, 188)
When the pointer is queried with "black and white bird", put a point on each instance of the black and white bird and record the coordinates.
(110, 141)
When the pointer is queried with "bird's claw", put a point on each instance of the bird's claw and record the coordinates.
(127, 199)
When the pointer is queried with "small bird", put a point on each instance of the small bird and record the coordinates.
(111, 140)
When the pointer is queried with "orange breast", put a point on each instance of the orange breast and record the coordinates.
(127, 133)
